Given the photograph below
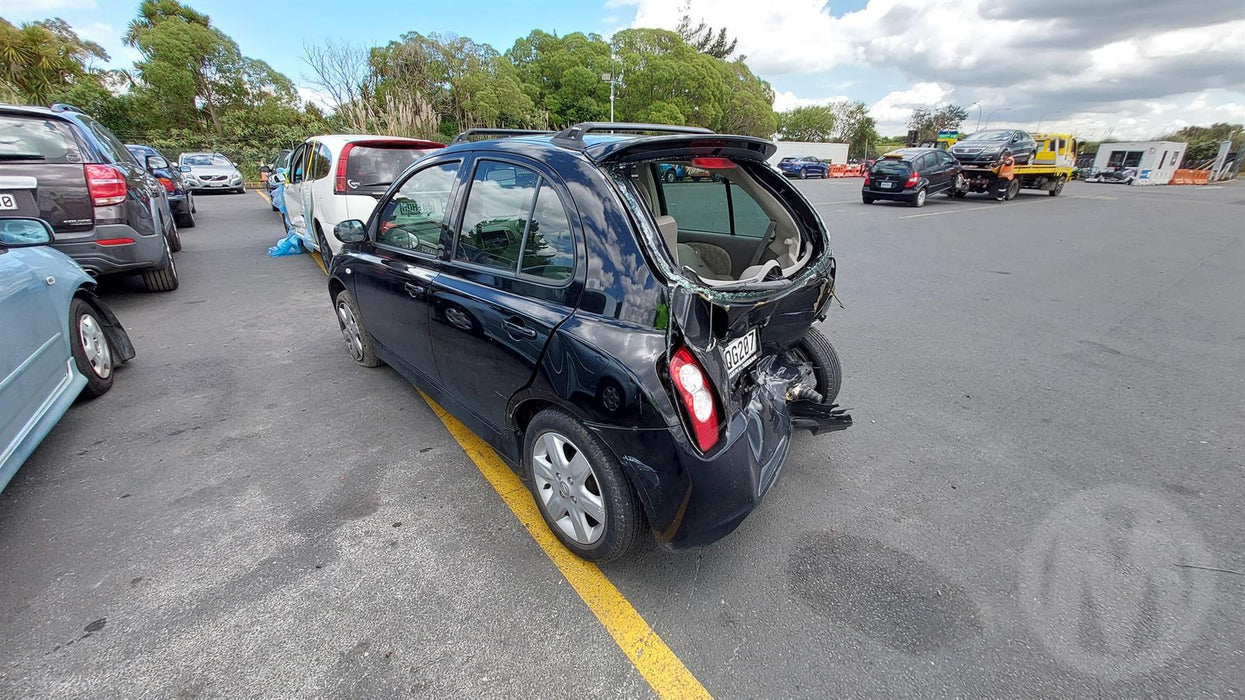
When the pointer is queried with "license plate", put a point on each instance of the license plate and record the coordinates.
(888, 185)
(8, 201)
(740, 352)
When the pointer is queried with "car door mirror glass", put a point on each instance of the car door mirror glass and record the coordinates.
(350, 231)
(20, 233)
(184, 169)
(156, 163)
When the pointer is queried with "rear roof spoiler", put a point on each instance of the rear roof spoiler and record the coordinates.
(573, 137)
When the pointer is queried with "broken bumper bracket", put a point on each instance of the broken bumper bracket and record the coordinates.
(818, 417)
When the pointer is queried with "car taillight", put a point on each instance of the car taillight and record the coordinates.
(697, 396)
(168, 184)
(339, 182)
(912, 179)
(866, 178)
(106, 183)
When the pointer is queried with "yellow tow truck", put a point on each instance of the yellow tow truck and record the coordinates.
(1048, 170)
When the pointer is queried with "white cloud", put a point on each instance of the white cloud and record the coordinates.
(786, 100)
(39, 9)
(320, 99)
(1138, 66)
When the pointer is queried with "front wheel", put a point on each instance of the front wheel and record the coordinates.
(803, 174)
(669, 176)
(1054, 191)
(919, 199)
(92, 354)
(174, 239)
(958, 187)
(358, 342)
(825, 174)
(580, 488)
(1013, 189)
(815, 349)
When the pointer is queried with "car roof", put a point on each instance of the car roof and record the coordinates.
(338, 140)
(602, 147)
(908, 153)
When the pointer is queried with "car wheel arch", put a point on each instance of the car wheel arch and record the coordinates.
(121, 346)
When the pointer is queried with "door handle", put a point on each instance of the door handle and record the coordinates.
(516, 329)
(415, 291)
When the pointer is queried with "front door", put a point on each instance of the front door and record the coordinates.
(400, 260)
(510, 279)
(294, 187)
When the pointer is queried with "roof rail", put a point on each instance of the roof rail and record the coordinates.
(573, 136)
(62, 107)
(503, 133)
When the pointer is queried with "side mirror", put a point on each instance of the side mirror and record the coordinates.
(23, 233)
(184, 169)
(265, 169)
(278, 177)
(156, 163)
(350, 231)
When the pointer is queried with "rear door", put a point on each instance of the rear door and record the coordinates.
(32, 355)
(889, 174)
(394, 273)
(512, 276)
(46, 149)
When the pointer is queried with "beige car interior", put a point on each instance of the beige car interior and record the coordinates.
(780, 249)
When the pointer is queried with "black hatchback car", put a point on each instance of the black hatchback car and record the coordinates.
(108, 213)
(911, 175)
(641, 349)
(181, 199)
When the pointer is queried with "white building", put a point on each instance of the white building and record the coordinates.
(835, 153)
(1154, 161)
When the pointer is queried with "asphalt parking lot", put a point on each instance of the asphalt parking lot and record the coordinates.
(1040, 496)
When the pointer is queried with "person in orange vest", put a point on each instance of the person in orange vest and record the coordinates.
(1004, 179)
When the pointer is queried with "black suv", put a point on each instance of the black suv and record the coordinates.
(912, 174)
(986, 148)
(641, 349)
(181, 199)
(108, 213)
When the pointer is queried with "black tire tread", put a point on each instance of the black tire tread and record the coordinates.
(95, 385)
(826, 365)
(369, 351)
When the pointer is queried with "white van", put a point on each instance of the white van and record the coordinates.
(337, 177)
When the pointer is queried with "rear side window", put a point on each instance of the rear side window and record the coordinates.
(110, 143)
(43, 140)
(515, 221)
(379, 165)
(320, 163)
(721, 206)
(891, 166)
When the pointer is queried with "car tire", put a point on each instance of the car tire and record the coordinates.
(597, 488)
(866, 199)
(92, 353)
(803, 174)
(1058, 188)
(825, 174)
(174, 239)
(193, 208)
(185, 219)
(1013, 189)
(164, 278)
(240, 190)
(958, 187)
(815, 349)
(669, 175)
(358, 342)
(919, 200)
(323, 244)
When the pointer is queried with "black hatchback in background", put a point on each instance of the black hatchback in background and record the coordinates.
(181, 199)
(106, 211)
(911, 175)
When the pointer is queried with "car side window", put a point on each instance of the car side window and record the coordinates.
(296, 163)
(414, 218)
(495, 220)
(549, 250)
(111, 144)
(320, 163)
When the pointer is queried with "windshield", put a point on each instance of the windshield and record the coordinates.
(379, 165)
(989, 136)
(206, 160)
(891, 166)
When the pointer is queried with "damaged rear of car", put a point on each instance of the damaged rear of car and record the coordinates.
(641, 347)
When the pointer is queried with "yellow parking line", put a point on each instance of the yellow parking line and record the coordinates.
(319, 262)
(263, 196)
(654, 660)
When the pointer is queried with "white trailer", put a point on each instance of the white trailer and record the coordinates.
(833, 153)
(1155, 162)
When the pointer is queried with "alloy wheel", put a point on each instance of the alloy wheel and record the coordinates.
(567, 485)
(350, 330)
(95, 346)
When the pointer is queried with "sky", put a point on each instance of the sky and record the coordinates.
(1101, 68)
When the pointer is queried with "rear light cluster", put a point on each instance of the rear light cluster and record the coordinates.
(697, 395)
(339, 181)
(912, 179)
(106, 184)
(168, 184)
(866, 178)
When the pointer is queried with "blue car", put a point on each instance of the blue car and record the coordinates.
(804, 167)
(59, 340)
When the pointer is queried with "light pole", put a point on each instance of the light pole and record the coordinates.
(977, 104)
(1047, 114)
(994, 112)
(613, 80)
